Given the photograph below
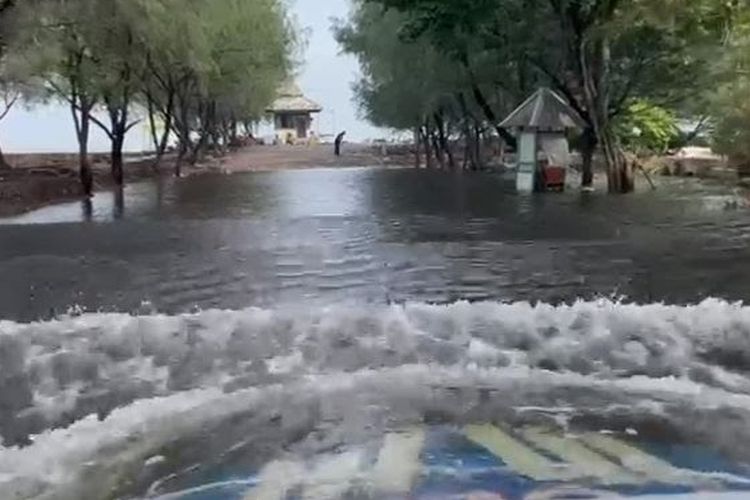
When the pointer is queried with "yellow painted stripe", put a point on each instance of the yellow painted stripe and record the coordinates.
(276, 481)
(650, 467)
(582, 461)
(398, 464)
(518, 456)
(654, 468)
(332, 476)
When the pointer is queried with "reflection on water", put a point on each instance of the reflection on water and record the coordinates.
(371, 235)
(287, 194)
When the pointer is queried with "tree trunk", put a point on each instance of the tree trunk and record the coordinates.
(477, 153)
(116, 158)
(467, 150)
(207, 124)
(182, 117)
(4, 165)
(160, 142)
(471, 161)
(183, 131)
(168, 116)
(118, 203)
(152, 125)
(84, 169)
(82, 122)
(491, 117)
(233, 130)
(588, 147)
(484, 105)
(247, 127)
(198, 148)
(417, 149)
(118, 121)
(183, 149)
(426, 133)
(439, 155)
(164, 142)
(443, 140)
(596, 75)
(620, 175)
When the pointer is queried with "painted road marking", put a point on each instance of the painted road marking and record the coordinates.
(517, 455)
(329, 478)
(333, 476)
(277, 480)
(654, 468)
(583, 461)
(398, 464)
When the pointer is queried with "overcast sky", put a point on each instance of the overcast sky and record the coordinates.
(326, 77)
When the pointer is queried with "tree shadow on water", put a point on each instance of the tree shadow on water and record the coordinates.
(118, 203)
(87, 210)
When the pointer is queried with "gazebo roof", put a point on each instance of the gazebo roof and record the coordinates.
(544, 110)
(291, 99)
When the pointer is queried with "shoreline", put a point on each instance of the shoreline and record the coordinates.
(45, 179)
(38, 180)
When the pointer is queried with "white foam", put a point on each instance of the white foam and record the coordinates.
(154, 378)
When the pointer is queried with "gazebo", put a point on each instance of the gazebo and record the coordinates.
(541, 123)
(292, 114)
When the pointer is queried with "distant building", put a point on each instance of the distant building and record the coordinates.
(292, 114)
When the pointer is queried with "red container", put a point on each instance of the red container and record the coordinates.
(554, 178)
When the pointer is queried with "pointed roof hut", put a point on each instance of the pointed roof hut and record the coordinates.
(292, 114)
(542, 121)
(291, 100)
(545, 110)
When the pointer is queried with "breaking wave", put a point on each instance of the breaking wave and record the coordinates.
(94, 402)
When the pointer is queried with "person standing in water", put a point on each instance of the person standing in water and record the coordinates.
(337, 143)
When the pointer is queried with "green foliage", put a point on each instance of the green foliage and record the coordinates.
(731, 134)
(524, 43)
(728, 104)
(402, 82)
(203, 66)
(646, 128)
(411, 74)
(602, 55)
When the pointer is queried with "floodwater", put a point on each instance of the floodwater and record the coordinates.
(333, 333)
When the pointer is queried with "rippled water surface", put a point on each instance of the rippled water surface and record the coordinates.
(296, 334)
(369, 235)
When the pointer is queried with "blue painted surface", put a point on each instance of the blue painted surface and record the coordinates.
(453, 467)
(694, 458)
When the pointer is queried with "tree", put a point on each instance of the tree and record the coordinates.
(402, 86)
(199, 66)
(645, 128)
(60, 57)
(120, 67)
(727, 106)
(222, 65)
(12, 75)
(598, 53)
(409, 83)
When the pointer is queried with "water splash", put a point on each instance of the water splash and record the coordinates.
(107, 392)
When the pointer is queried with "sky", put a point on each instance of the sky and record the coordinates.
(326, 76)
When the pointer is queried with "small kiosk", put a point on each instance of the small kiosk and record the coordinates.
(292, 114)
(541, 124)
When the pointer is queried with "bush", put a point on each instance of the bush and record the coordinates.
(647, 128)
(731, 136)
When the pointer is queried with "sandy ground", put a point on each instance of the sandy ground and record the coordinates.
(42, 179)
(277, 157)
